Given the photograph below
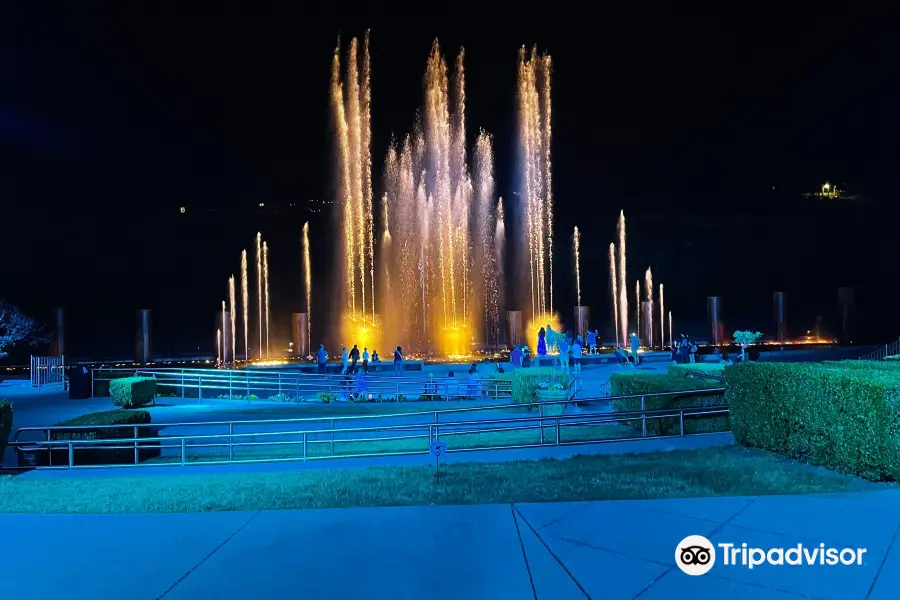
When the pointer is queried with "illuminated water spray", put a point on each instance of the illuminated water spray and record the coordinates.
(648, 284)
(351, 115)
(536, 187)
(245, 302)
(662, 317)
(218, 345)
(623, 291)
(221, 334)
(259, 287)
(307, 276)
(614, 285)
(266, 290)
(233, 314)
(670, 328)
(577, 243)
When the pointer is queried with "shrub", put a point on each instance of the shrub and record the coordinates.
(681, 370)
(525, 382)
(249, 398)
(132, 392)
(6, 413)
(841, 417)
(88, 430)
(637, 384)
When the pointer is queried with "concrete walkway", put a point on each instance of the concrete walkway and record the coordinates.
(611, 550)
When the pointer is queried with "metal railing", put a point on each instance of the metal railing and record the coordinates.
(286, 386)
(305, 438)
(891, 349)
(46, 370)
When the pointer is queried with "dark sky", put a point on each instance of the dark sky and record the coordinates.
(111, 119)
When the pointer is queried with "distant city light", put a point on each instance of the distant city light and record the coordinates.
(261, 204)
(181, 210)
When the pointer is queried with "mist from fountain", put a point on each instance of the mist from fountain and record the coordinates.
(307, 279)
(233, 315)
(245, 303)
(614, 285)
(648, 285)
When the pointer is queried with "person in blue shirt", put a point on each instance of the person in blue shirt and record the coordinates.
(322, 359)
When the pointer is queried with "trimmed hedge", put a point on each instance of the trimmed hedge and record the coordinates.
(834, 415)
(525, 382)
(132, 392)
(681, 370)
(87, 455)
(6, 414)
(636, 383)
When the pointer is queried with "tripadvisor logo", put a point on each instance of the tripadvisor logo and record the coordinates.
(696, 555)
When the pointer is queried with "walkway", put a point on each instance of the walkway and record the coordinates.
(614, 550)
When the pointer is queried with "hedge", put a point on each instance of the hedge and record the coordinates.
(132, 392)
(635, 383)
(525, 382)
(6, 414)
(841, 417)
(89, 455)
(681, 370)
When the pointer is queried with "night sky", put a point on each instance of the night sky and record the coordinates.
(706, 131)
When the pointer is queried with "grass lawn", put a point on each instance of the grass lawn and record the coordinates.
(318, 448)
(727, 471)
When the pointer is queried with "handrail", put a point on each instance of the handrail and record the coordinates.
(537, 421)
(889, 350)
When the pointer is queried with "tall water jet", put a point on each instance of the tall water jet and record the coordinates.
(233, 317)
(623, 279)
(351, 117)
(266, 290)
(648, 284)
(499, 258)
(614, 284)
(218, 346)
(662, 317)
(576, 241)
(307, 278)
(245, 302)
(224, 332)
(536, 187)
(259, 288)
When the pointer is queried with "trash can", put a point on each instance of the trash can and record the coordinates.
(79, 383)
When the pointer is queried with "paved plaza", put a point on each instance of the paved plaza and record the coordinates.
(610, 550)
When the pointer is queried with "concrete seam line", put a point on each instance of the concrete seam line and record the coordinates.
(553, 554)
(524, 554)
(205, 558)
(884, 560)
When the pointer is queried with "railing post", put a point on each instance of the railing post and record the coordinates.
(541, 420)
(199, 388)
(183, 451)
(231, 441)
(71, 455)
(279, 383)
(136, 460)
(182, 384)
(681, 421)
(332, 436)
(92, 383)
(557, 431)
(643, 417)
(304, 446)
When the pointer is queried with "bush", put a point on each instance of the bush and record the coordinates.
(840, 417)
(681, 370)
(132, 392)
(637, 384)
(87, 430)
(525, 382)
(6, 414)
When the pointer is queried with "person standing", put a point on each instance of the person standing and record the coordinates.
(693, 350)
(354, 358)
(365, 359)
(542, 342)
(398, 361)
(635, 346)
(576, 354)
(563, 347)
(322, 359)
(592, 341)
(344, 360)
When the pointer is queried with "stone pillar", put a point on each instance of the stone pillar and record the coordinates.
(780, 325)
(143, 332)
(714, 313)
(582, 321)
(514, 328)
(300, 334)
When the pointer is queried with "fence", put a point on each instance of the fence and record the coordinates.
(289, 440)
(46, 370)
(244, 385)
(891, 349)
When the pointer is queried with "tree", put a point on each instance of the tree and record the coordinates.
(15, 327)
(746, 338)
